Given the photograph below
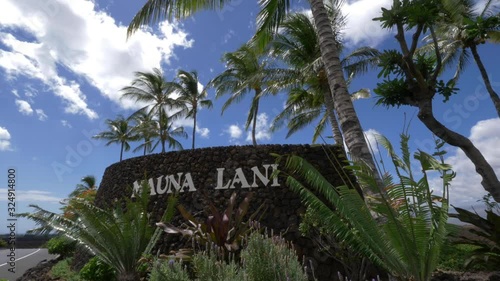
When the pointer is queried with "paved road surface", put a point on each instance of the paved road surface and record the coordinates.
(25, 259)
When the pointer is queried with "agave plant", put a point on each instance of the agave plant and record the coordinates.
(485, 236)
(403, 231)
(117, 237)
(224, 229)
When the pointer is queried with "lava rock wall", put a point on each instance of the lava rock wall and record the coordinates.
(213, 174)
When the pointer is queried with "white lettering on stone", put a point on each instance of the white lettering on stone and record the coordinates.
(240, 178)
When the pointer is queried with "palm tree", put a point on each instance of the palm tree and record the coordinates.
(169, 134)
(246, 70)
(152, 89)
(120, 132)
(187, 88)
(145, 128)
(88, 183)
(268, 20)
(298, 45)
(464, 30)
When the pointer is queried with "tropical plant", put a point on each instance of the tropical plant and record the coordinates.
(411, 78)
(119, 132)
(96, 270)
(403, 231)
(462, 32)
(151, 89)
(225, 229)
(247, 70)
(88, 183)
(116, 237)
(268, 21)
(187, 88)
(485, 235)
(297, 44)
(355, 265)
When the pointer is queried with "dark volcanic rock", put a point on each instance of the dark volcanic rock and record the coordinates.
(284, 207)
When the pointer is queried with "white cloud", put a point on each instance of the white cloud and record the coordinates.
(261, 129)
(234, 132)
(370, 136)
(87, 42)
(4, 139)
(65, 123)
(360, 28)
(41, 115)
(31, 196)
(204, 132)
(24, 107)
(466, 187)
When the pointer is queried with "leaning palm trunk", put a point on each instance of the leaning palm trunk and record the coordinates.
(330, 108)
(349, 122)
(493, 95)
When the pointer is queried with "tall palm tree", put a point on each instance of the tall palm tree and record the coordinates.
(462, 32)
(87, 183)
(152, 89)
(298, 45)
(269, 18)
(169, 134)
(119, 132)
(191, 96)
(246, 71)
(145, 128)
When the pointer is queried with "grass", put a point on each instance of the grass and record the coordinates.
(63, 271)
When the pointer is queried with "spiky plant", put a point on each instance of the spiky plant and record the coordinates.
(403, 231)
(117, 237)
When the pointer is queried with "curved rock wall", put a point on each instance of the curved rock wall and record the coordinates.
(213, 174)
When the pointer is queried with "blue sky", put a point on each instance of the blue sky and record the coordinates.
(63, 62)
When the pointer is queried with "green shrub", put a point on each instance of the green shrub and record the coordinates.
(61, 245)
(271, 259)
(455, 256)
(168, 271)
(209, 267)
(97, 270)
(62, 271)
(3, 244)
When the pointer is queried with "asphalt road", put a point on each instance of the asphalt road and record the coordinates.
(25, 259)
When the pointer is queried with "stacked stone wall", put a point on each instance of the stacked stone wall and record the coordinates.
(283, 207)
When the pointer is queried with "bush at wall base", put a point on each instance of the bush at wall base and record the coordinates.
(97, 270)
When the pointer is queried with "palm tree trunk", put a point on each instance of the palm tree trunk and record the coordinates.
(493, 95)
(349, 122)
(194, 126)
(330, 108)
(254, 121)
(121, 151)
(489, 181)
